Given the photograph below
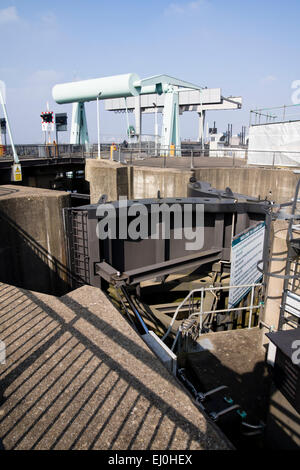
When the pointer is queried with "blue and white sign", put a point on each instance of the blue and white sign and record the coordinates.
(247, 250)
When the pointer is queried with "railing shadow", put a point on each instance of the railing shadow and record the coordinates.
(27, 264)
(79, 394)
(6, 191)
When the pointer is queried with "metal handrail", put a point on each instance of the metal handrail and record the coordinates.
(201, 312)
(146, 148)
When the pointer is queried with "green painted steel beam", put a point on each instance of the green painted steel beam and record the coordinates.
(159, 81)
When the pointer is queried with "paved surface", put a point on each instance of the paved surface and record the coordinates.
(77, 376)
(127, 158)
(175, 162)
(185, 162)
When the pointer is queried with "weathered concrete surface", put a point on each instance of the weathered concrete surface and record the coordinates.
(78, 376)
(277, 184)
(283, 425)
(32, 246)
(135, 182)
(170, 182)
(138, 181)
(106, 177)
(274, 284)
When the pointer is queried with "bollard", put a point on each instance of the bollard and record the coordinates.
(113, 148)
(55, 149)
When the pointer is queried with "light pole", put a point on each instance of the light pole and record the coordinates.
(98, 128)
(155, 128)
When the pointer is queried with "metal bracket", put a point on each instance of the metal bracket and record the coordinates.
(202, 396)
(216, 415)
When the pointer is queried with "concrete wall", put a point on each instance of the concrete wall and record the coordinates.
(253, 181)
(32, 245)
(116, 180)
(170, 182)
(106, 177)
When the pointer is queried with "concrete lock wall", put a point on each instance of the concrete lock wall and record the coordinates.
(277, 184)
(32, 243)
(116, 180)
(109, 178)
(170, 182)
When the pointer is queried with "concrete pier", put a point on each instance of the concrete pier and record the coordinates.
(32, 244)
(77, 376)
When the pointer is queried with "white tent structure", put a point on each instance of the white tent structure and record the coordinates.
(275, 143)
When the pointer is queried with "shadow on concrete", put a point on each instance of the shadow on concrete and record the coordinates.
(251, 389)
(283, 425)
(78, 364)
(27, 264)
(6, 191)
(280, 256)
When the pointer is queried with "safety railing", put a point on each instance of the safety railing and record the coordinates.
(165, 156)
(190, 299)
(186, 155)
(285, 113)
(46, 151)
(192, 156)
(273, 158)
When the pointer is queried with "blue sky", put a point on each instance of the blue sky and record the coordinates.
(248, 48)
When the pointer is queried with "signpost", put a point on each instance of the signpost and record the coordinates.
(247, 250)
(47, 123)
(3, 129)
(61, 120)
(16, 173)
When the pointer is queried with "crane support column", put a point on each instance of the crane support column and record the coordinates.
(201, 127)
(170, 129)
(79, 130)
